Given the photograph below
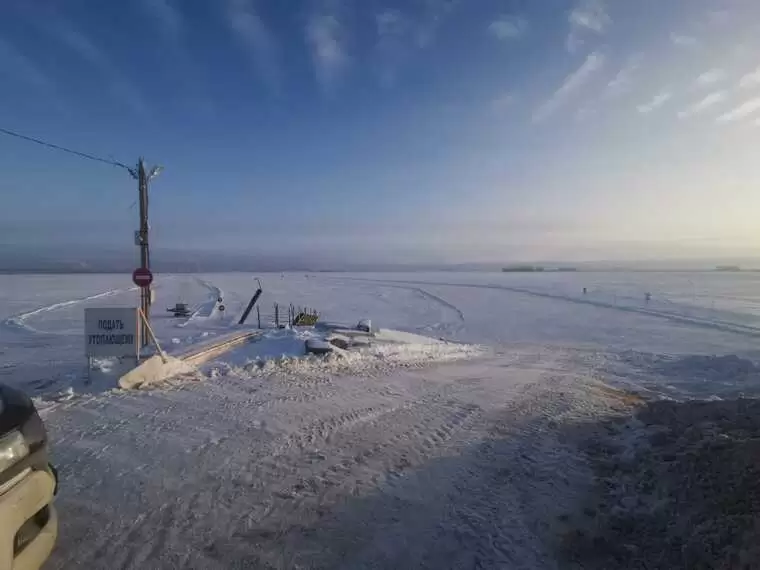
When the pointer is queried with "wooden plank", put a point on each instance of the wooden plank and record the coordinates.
(202, 354)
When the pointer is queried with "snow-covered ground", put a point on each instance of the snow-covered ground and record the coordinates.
(411, 454)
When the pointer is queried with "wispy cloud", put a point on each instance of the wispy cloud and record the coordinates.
(657, 101)
(623, 80)
(586, 112)
(324, 35)
(711, 77)
(741, 112)
(508, 28)
(701, 106)
(435, 14)
(394, 36)
(684, 41)
(502, 103)
(588, 17)
(750, 79)
(166, 15)
(118, 84)
(255, 38)
(571, 85)
(22, 67)
(391, 24)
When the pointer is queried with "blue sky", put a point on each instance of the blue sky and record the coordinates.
(444, 130)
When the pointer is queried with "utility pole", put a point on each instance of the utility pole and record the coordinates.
(141, 235)
(142, 182)
(142, 239)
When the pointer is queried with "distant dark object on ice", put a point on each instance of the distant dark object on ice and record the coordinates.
(537, 269)
(179, 310)
(523, 269)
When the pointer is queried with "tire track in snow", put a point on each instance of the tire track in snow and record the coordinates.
(425, 294)
(412, 429)
(359, 458)
(435, 298)
(208, 491)
(440, 300)
(716, 324)
(209, 308)
(19, 321)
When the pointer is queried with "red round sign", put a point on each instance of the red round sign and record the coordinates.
(142, 277)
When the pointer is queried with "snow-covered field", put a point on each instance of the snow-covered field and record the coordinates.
(417, 454)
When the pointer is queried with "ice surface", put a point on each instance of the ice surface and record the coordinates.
(412, 452)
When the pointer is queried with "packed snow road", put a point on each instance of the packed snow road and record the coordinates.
(456, 466)
(384, 463)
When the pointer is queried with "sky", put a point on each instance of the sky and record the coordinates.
(415, 131)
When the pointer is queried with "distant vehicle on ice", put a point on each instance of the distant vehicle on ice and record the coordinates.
(179, 310)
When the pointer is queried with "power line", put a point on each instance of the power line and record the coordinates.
(64, 149)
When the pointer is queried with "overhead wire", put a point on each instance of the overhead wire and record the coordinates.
(64, 149)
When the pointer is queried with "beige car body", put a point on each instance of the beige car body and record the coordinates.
(20, 500)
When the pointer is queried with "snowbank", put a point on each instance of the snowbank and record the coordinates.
(693, 376)
(283, 352)
(154, 370)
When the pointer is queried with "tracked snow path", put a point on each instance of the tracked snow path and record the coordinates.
(443, 467)
(462, 465)
(695, 320)
(207, 309)
(20, 320)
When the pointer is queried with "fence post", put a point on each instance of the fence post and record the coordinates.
(258, 317)
(277, 315)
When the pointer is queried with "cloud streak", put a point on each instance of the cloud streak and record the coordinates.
(23, 67)
(391, 24)
(436, 13)
(701, 106)
(508, 28)
(750, 79)
(588, 17)
(741, 112)
(118, 84)
(655, 103)
(684, 41)
(393, 44)
(256, 40)
(324, 36)
(571, 85)
(622, 82)
(167, 16)
(502, 103)
(711, 77)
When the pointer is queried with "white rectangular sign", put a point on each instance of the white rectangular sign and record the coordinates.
(110, 332)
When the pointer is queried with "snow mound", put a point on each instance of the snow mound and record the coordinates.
(686, 377)
(726, 368)
(154, 370)
(282, 352)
